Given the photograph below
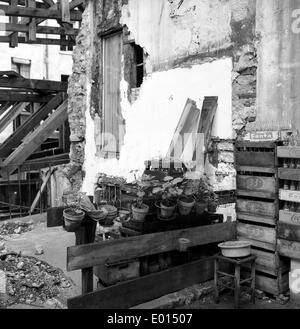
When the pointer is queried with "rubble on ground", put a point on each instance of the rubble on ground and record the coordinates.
(30, 280)
(18, 227)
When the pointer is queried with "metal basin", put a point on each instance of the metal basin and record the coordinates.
(235, 249)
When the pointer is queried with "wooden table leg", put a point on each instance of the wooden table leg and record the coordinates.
(237, 285)
(253, 282)
(217, 298)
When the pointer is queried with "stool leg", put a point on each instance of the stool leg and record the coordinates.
(253, 282)
(237, 285)
(217, 299)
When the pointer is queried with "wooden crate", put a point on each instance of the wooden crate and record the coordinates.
(255, 154)
(289, 195)
(259, 236)
(256, 211)
(256, 186)
(272, 285)
(289, 174)
(289, 217)
(291, 152)
(288, 248)
(110, 274)
(289, 231)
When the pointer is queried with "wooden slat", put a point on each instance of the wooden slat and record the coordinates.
(135, 292)
(39, 41)
(4, 107)
(289, 195)
(257, 244)
(85, 256)
(34, 84)
(256, 169)
(15, 139)
(14, 96)
(289, 217)
(257, 159)
(267, 144)
(288, 152)
(259, 233)
(289, 231)
(254, 207)
(37, 13)
(256, 194)
(289, 249)
(35, 139)
(39, 29)
(256, 218)
(289, 174)
(11, 115)
(45, 162)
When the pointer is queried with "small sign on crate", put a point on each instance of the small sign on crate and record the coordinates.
(262, 136)
(289, 195)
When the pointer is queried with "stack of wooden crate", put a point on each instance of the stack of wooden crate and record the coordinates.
(289, 213)
(257, 212)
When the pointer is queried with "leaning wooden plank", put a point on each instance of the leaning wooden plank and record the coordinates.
(11, 115)
(85, 256)
(289, 231)
(16, 138)
(134, 292)
(259, 233)
(209, 109)
(35, 139)
(289, 249)
(185, 125)
(288, 152)
(41, 190)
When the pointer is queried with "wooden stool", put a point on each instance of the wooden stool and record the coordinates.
(237, 282)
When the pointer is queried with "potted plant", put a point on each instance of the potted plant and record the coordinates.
(170, 191)
(139, 208)
(206, 199)
(73, 214)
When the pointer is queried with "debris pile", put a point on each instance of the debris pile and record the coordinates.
(30, 280)
(18, 227)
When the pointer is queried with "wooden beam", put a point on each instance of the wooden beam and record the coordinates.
(86, 256)
(65, 11)
(149, 287)
(6, 27)
(40, 41)
(23, 3)
(15, 139)
(41, 190)
(36, 138)
(34, 84)
(14, 96)
(38, 13)
(11, 115)
(4, 107)
(31, 35)
(13, 38)
(45, 162)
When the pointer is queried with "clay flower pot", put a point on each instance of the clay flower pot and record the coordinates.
(72, 219)
(139, 214)
(166, 211)
(185, 205)
(200, 207)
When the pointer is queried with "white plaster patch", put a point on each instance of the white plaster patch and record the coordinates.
(152, 119)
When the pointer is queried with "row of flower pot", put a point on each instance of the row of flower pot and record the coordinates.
(166, 209)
